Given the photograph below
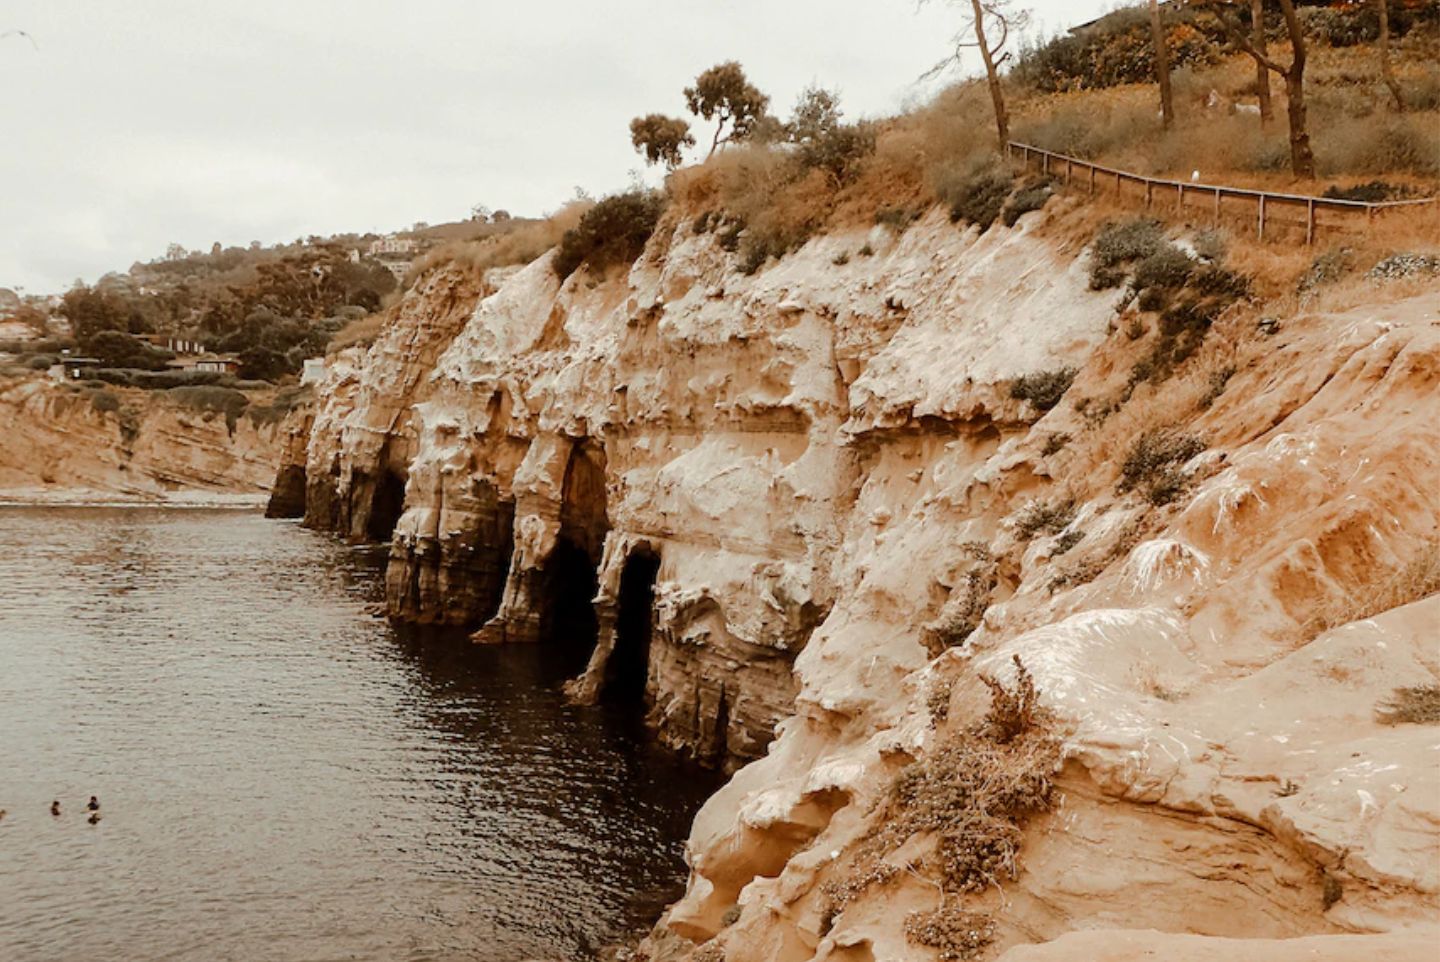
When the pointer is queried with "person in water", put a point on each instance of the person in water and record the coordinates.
(94, 805)
(94, 818)
(55, 807)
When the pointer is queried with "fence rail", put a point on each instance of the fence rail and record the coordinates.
(1269, 206)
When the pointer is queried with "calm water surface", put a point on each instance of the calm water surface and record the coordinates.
(282, 776)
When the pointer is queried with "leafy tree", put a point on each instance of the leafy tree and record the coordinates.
(613, 231)
(93, 310)
(986, 27)
(725, 95)
(263, 364)
(661, 139)
(822, 138)
(118, 349)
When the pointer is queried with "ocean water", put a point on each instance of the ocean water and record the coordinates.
(283, 776)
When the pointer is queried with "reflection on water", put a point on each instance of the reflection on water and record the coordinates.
(283, 777)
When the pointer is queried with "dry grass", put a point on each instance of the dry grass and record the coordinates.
(1413, 705)
(519, 246)
(360, 332)
(1417, 579)
(1353, 132)
(973, 794)
(1042, 516)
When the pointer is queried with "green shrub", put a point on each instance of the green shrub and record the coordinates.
(1212, 280)
(1150, 299)
(211, 400)
(1043, 389)
(1030, 197)
(104, 401)
(1044, 517)
(1373, 192)
(1120, 244)
(1167, 268)
(614, 231)
(978, 196)
(1326, 268)
(1210, 245)
(1154, 464)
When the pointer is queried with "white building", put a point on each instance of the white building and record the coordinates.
(313, 370)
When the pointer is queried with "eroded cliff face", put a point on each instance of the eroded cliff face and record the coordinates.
(57, 441)
(360, 437)
(796, 514)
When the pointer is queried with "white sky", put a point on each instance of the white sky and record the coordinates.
(142, 122)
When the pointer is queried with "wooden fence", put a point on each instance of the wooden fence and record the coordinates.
(1268, 210)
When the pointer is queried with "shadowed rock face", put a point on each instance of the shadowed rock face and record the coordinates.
(815, 483)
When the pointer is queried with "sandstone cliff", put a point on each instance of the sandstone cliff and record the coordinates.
(801, 512)
(60, 440)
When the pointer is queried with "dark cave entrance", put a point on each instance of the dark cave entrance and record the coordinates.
(570, 576)
(567, 614)
(386, 506)
(627, 669)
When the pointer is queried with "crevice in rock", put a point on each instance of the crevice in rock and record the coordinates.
(386, 506)
(628, 667)
(569, 577)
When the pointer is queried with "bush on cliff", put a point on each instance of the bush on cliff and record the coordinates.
(614, 231)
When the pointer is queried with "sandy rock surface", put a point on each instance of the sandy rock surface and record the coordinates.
(810, 476)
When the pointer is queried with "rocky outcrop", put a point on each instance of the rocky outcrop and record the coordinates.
(799, 514)
(360, 434)
(121, 442)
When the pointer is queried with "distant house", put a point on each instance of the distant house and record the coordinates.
(73, 368)
(179, 345)
(219, 363)
(313, 370)
(392, 244)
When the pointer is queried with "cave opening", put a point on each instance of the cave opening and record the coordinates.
(627, 669)
(386, 506)
(570, 575)
(567, 615)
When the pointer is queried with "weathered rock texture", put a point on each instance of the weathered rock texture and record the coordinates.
(55, 439)
(784, 492)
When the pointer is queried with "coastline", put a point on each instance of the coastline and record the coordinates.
(41, 496)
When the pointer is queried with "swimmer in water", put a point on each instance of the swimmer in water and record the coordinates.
(94, 805)
(55, 807)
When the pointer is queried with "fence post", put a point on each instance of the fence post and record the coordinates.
(1117, 184)
(1217, 206)
(1179, 198)
(1069, 168)
(1262, 217)
(1092, 180)
(1149, 194)
(1045, 163)
(1309, 222)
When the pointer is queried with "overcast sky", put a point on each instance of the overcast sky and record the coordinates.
(141, 122)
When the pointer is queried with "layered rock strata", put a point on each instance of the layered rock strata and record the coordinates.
(126, 443)
(799, 512)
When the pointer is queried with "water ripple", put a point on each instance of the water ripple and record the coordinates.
(286, 778)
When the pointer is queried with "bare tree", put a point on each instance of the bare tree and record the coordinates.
(1162, 65)
(1262, 74)
(1302, 158)
(1387, 73)
(1002, 17)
